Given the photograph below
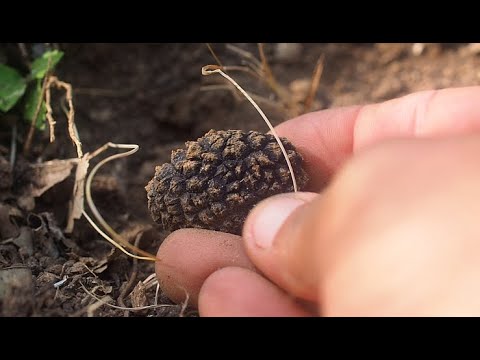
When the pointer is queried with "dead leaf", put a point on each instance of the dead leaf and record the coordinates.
(88, 264)
(138, 296)
(49, 173)
(76, 204)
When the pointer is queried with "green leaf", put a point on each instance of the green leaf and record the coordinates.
(40, 65)
(33, 96)
(12, 87)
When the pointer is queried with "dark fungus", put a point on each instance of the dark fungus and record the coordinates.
(215, 181)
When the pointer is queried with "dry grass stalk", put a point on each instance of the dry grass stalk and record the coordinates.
(290, 105)
(317, 74)
(211, 69)
(53, 81)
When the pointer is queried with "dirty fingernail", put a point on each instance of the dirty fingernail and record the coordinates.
(267, 218)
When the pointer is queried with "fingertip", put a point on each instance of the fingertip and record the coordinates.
(278, 239)
(235, 292)
(189, 256)
(266, 219)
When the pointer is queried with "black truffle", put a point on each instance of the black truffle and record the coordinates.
(218, 179)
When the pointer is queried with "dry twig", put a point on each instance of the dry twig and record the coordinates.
(317, 74)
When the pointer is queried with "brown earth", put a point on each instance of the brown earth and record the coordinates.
(154, 95)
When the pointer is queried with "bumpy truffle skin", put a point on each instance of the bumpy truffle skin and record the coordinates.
(218, 179)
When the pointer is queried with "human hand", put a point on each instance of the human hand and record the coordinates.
(392, 232)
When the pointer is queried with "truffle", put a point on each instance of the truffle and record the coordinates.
(215, 181)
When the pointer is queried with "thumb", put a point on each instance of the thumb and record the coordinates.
(280, 235)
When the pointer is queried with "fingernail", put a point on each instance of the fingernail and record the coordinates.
(269, 216)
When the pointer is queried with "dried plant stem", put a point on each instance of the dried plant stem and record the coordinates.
(13, 146)
(254, 63)
(211, 69)
(121, 307)
(150, 281)
(270, 79)
(53, 81)
(242, 69)
(50, 120)
(33, 124)
(317, 74)
(110, 240)
(255, 72)
(118, 240)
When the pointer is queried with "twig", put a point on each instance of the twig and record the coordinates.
(50, 120)
(53, 81)
(157, 289)
(256, 65)
(317, 74)
(118, 241)
(121, 307)
(89, 270)
(245, 69)
(270, 79)
(111, 241)
(13, 145)
(150, 281)
(211, 69)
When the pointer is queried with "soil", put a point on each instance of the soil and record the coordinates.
(154, 95)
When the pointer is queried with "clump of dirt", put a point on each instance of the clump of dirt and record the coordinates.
(154, 95)
(215, 181)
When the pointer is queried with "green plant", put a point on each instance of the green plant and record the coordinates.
(27, 90)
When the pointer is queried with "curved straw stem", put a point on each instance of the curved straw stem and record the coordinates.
(211, 69)
(117, 237)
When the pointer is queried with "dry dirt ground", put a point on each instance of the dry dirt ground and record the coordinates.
(155, 96)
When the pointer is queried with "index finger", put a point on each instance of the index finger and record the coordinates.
(327, 138)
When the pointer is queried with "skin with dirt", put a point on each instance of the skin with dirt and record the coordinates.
(154, 95)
